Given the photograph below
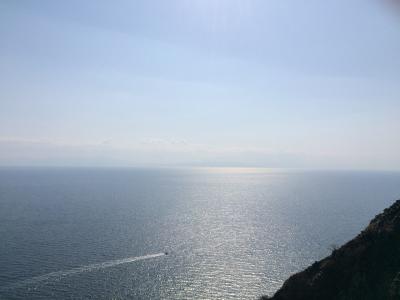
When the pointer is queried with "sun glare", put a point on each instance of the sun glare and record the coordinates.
(219, 15)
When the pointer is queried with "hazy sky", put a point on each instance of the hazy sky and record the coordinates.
(269, 83)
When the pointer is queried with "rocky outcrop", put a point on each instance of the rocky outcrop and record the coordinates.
(367, 267)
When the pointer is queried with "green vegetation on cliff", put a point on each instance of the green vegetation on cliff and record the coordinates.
(367, 267)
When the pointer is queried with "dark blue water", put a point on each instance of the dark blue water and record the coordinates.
(229, 233)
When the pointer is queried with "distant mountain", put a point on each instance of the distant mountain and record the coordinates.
(367, 267)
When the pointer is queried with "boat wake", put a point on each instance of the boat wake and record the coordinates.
(88, 268)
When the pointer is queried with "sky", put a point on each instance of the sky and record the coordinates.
(232, 83)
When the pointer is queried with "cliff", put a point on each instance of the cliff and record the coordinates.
(367, 267)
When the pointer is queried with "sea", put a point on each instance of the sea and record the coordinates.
(175, 233)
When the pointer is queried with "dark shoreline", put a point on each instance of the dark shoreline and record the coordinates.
(367, 267)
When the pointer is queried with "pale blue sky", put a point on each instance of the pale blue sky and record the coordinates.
(267, 83)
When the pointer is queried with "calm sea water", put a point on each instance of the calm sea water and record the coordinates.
(229, 233)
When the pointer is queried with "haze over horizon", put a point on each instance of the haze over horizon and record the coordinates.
(200, 83)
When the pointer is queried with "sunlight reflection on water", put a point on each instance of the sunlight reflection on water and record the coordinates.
(230, 233)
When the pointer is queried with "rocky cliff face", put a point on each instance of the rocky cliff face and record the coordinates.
(367, 267)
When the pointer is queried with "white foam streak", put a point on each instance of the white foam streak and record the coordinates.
(88, 268)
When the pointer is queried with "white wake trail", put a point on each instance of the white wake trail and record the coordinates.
(88, 268)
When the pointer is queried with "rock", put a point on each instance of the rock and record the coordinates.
(367, 267)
